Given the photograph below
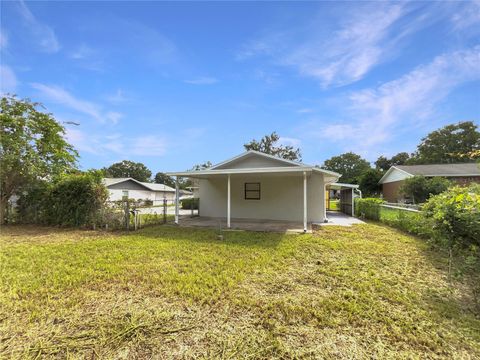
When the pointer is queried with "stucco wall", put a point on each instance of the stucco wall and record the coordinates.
(281, 197)
(156, 196)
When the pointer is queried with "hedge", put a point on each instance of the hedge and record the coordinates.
(368, 208)
(191, 202)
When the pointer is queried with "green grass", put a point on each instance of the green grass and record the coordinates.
(361, 292)
(334, 205)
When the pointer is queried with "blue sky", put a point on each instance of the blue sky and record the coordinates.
(176, 84)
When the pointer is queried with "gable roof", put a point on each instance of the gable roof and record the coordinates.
(444, 170)
(289, 166)
(149, 186)
(257, 153)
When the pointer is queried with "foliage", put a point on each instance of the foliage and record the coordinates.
(456, 216)
(384, 164)
(162, 178)
(449, 144)
(369, 208)
(269, 144)
(420, 188)
(191, 202)
(350, 165)
(92, 294)
(369, 182)
(32, 147)
(409, 221)
(72, 200)
(129, 169)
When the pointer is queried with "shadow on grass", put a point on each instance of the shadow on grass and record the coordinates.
(203, 235)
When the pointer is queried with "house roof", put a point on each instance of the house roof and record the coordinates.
(149, 186)
(290, 166)
(445, 170)
(466, 169)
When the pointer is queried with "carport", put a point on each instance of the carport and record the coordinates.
(347, 196)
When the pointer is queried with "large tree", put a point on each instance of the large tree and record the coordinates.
(269, 144)
(162, 178)
(126, 168)
(369, 182)
(449, 144)
(350, 165)
(384, 163)
(32, 146)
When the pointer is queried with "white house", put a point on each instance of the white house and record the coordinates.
(255, 185)
(133, 189)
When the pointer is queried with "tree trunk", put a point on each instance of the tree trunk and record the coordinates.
(3, 207)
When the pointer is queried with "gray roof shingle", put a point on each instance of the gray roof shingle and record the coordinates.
(465, 169)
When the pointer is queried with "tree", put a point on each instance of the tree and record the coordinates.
(384, 163)
(126, 168)
(419, 188)
(449, 144)
(269, 145)
(162, 178)
(186, 183)
(369, 182)
(32, 147)
(350, 165)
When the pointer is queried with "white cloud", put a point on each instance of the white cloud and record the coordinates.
(143, 145)
(43, 34)
(82, 52)
(467, 16)
(376, 113)
(63, 97)
(203, 80)
(289, 141)
(365, 37)
(8, 80)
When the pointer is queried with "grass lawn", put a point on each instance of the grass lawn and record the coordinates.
(366, 291)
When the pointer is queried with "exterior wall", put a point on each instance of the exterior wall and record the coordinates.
(390, 190)
(117, 194)
(281, 197)
(156, 196)
(254, 161)
(394, 176)
(127, 185)
(465, 180)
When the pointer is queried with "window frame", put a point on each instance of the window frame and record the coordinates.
(249, 197)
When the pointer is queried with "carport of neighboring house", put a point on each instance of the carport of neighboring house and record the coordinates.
(345, 195)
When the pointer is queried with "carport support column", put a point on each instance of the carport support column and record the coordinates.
(353, 202)
(228, 202)
(304, 201)
(177, 199)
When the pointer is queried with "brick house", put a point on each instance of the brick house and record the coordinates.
(394, 178)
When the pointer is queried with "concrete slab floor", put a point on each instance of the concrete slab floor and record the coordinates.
(340, 219)
(244, 224)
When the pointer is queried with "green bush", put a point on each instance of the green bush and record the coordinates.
(411, 222)
(455, 215)
(71, 200)
(368, 208)
(419, 188)
(189, 203)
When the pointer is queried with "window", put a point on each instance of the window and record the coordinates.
(125, 193)
(252, 191)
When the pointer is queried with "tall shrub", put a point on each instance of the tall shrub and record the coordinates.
(368, 208)
(456, 216)
(71, 200)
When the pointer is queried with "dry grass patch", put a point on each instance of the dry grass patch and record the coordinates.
(164, 292)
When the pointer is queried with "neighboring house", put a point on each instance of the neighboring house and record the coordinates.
(258, 186)
(133, 189)
(394, 178)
